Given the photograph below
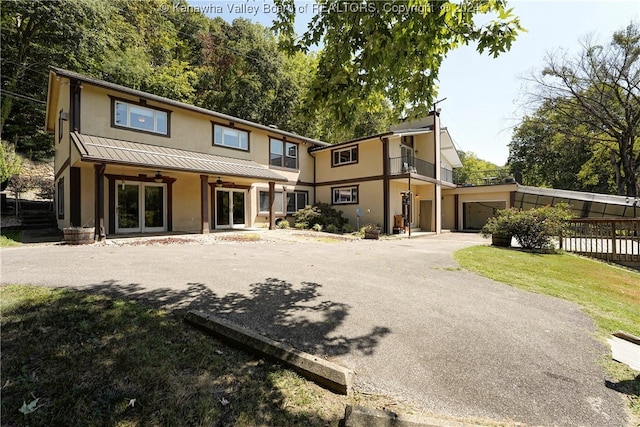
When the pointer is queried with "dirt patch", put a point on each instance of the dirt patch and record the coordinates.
(163, 241)
(324, 237)
(240, 238)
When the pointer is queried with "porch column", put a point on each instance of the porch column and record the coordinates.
(99, 201)
(437, 196)
(204, 204)
(272, 201)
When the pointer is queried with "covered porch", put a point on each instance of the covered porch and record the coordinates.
(126, 188)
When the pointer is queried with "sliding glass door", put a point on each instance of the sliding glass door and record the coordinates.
(141, 208)
(230, 209)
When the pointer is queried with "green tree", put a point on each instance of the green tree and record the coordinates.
(551, 151)
(35, 34)
(598, 92)
(476, 171)
(10, 163)
(245, 75)
(391, 48)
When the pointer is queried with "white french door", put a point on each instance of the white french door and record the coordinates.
(141, 207)
(230, 209)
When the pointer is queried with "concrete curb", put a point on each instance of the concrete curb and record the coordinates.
(358, 416)
(327, 374)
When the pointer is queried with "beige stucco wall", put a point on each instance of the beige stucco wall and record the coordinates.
(448, 212)
(369, 164)
(61, 145)
(369, 201)
(189, 130)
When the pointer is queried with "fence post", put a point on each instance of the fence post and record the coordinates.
(613, 239)
(560, 239)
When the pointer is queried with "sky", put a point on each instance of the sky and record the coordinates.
(485, 96)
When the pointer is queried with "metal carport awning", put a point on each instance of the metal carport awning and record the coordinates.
(107, 150)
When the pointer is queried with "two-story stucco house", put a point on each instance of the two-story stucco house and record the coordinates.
(127, 161)
(132, 162)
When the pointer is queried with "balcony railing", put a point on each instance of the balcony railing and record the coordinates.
(402, 165)
(446, 175)
(483, 177)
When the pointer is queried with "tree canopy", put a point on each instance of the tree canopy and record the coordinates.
(394, 49)
(588, 116)
(236, 68)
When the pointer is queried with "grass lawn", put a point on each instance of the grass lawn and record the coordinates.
(10, 238)
(609, 295)
(81, 359)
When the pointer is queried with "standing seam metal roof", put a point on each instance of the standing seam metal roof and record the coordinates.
(98, 149)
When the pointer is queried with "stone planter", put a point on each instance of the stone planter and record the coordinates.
(79, 235)
(372, 234)
(501, 240)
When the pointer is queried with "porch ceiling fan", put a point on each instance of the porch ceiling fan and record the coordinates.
(220, 182)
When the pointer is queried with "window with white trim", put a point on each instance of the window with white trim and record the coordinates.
(140, 118)
(297, 200)
(230, 137)
(346, 156)
(345, 195)
(283, 154)
(278, 198)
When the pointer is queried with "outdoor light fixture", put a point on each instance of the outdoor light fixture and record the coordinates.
(158, 177)
(218, 182)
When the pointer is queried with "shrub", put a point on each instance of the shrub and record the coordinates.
(301, 225)
(284, 224)
(316, 227)
(534, 229)
(307, 215)
(347, 228)
(322, 214)
(331, 228)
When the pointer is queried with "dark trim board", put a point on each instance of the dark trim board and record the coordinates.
(64, 166)
(347, 182)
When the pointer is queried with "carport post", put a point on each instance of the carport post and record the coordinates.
(272, 200)
(204, 204)
(99, 201)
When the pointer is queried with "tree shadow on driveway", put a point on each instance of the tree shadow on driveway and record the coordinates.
(274, 308)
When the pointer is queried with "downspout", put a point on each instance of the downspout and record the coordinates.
(315, 192)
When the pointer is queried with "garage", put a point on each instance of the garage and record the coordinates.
(476, 214)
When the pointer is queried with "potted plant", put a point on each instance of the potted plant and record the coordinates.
(371, 231)
(500, 228)
(79, 235)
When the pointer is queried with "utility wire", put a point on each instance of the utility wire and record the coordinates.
(24, 97)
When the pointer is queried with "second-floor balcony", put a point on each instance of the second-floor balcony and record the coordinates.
(405, 165)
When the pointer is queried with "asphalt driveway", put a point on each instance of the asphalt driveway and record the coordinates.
(399, 312)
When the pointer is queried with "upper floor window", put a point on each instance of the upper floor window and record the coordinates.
(141, 118)
(345, 156)
(345, 195)
(230, 137)
(283, 154)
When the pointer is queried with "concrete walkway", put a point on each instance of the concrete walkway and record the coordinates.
(399, 312)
